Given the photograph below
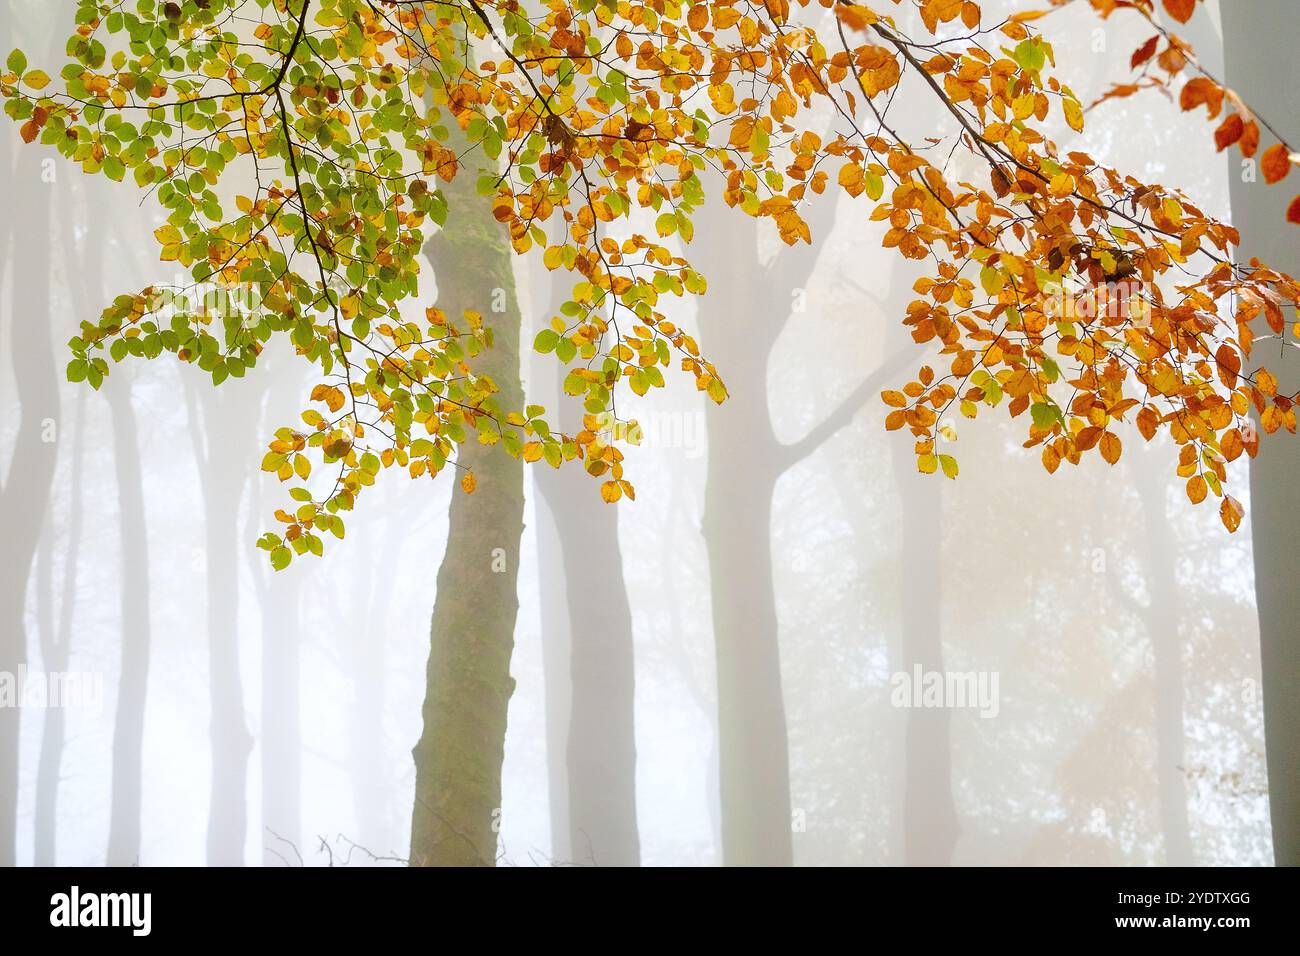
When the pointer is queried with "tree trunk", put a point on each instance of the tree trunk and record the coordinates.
(754, 761)
(281, 755)
(1161, 620)
(468, 684)
(226, 417)
(930, 826)
(281, 720)
(555, 670)
(133, 680)
(1259, 52)
(600, 754)
(26, 489)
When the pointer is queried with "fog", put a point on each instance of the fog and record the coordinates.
(1099, 630)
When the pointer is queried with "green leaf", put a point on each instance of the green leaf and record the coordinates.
(1045, 414)
(1029, 55)
(17, 62)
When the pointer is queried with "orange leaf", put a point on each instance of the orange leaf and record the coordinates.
(1196, 489)
(1249, 139)
(1230, 444)
(1229, 131)
(1201, 90)
(1111, 447)
(469, 482)
(1231, 513)
(1275, 163)
(1293, 211)
(1147, 421)
(1180, 10)
(1229, 363)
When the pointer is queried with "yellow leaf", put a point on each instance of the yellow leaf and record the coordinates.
(611, 491)
(1074, 115)
(469, 482)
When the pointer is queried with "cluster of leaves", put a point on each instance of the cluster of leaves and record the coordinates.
(1165, 57)
(584, 119)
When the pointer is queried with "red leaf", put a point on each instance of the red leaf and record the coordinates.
(1293, 211)
(1144, 52)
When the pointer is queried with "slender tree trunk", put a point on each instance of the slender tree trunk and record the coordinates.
(45, 818)
(468, 685)
(281, 720)
(555, 671)
(754, 761)
(56, 646)
(1259, 41)
(600, 755)
(26, 489)
(754, 764)
(930, 826)
(281, 751)
(226, 415)
(133, 682)
(366, 741)
(747, 307)
(1161, 619)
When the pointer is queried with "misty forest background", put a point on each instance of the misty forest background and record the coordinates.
(784, 536)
